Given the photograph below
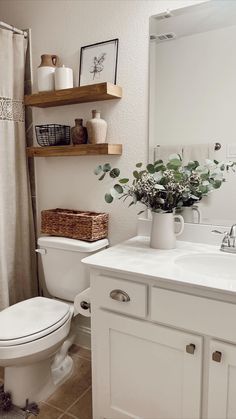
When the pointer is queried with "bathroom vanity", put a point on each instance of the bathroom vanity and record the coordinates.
(163, 331)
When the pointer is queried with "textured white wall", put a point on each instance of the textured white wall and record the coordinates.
(62, 27)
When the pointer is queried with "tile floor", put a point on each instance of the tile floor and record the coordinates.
(74, 398)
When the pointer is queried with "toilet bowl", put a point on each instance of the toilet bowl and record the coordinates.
(31, 332)
(36, 334)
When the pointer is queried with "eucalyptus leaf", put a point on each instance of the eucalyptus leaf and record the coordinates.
(102, 177)
(216, 184)
(203, 189)
(192, 165)
(139, 164)
(108, 198)
(98, 170)
(115, 173)
(160, 167)
(173, 164)
(114, 193)
(136, 174)
(124, 180)
(106, 167)
(150, 168)
(118, 188)
(175, 156)
(158, 162)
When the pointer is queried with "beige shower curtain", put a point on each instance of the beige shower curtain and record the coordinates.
(17, 261)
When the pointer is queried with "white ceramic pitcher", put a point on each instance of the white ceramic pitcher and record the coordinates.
(163, 235)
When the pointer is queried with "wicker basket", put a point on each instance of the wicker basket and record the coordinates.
(80, 225)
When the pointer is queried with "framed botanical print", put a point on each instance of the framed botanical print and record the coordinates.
(98, 63)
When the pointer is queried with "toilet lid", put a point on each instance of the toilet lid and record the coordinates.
(31, 319)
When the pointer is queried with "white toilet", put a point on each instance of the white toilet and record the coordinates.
(35, 334)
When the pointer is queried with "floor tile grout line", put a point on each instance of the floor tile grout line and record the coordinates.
(54, 407)
(68, 414)
(79, 398)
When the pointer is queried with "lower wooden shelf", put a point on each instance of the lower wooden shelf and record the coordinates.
(80, 150)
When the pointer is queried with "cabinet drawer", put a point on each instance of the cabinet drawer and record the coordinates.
(107, 292)
(199, 314)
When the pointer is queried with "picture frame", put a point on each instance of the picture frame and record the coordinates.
(98, 62)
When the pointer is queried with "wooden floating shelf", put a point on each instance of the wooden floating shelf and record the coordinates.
(90, 93)
(80, 150)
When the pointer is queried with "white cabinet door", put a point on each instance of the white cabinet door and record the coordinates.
(222, 381)
(142, 370)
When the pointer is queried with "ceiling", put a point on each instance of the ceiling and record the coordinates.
(203, 17)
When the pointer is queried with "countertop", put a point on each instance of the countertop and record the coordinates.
(134, 256)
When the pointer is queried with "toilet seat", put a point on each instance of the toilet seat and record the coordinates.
(31, 319)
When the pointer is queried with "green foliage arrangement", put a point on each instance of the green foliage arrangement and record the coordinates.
(165, 187)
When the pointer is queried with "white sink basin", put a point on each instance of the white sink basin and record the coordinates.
(218, 265)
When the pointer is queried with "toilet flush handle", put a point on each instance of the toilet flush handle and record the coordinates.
(41, 251)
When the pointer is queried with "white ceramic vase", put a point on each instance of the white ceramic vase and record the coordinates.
(45, 72)
(163, 235)
(63, 78)
(97, 129)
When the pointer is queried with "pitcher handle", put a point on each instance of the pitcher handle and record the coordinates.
(180, 218)
(54, 59)
(198, 214)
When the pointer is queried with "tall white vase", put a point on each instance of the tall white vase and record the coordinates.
(163, 235)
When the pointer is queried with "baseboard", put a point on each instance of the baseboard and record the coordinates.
(83, 337)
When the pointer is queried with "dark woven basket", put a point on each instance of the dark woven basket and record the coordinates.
(52, 134)
(80, 225)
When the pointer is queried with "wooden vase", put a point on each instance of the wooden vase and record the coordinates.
(79, 132)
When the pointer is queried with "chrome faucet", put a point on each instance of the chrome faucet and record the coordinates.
(228, 243)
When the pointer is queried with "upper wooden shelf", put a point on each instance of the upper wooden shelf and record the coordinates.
(80, 150)
(90, 93)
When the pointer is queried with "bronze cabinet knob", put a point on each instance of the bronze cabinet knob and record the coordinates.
(190, 349)
(217, 356)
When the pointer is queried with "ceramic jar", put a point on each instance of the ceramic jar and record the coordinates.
(45, 72)
(63, 78)
(163, 235)
(79, 132)
(97, 129)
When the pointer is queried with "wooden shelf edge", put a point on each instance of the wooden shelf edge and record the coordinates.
(83, 94)
(80, 150)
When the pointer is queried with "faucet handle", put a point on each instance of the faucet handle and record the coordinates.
(226, 237)
(220, 232)
(233, 231)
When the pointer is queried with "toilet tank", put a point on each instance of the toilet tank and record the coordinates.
(65, 274)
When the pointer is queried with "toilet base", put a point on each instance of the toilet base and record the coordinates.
(61, 373)
(35, 382)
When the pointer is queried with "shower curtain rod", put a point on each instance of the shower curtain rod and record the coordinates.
(13, 29)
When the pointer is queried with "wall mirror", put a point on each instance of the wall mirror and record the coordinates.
(193, 94)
